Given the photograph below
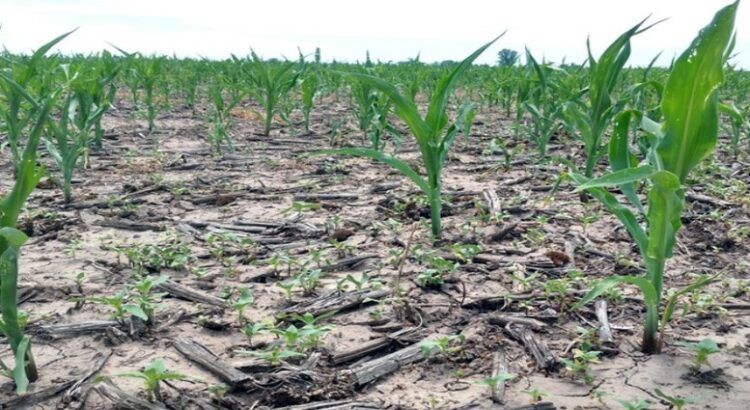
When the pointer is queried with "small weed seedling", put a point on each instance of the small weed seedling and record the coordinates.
(637, 404)
(254, 329)
(535, 395)
(580, 364)
(244, 300)
(275, 354)
(154, 373)
(144, 295)
(677, 402)
(701, 351)
(446, 346)
(494, 381)
(363, 282)
(118, 303)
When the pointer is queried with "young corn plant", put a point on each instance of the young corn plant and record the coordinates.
(93, 93)
(364, 96)
(271, 83)
(592, 119)
(309, 89)
(433, 133)
(737, 124)
(380, 125)
(19, 77)
(686, 136)
(31, 115)
(75, 127)
(65, 147)
(223, 102)
(543, 105)
(149, 71)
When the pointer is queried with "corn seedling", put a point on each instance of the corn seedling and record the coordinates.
(149, 71)
(364, 96)
(592, 119)
(687, 135)
(380, 125)
(737, 123)
(432, 132)
(93, 92)
(23, 115)
(271, 83)
(20, 110)
(223, 102)
(546, 111)
(71, 133)
(309, 89)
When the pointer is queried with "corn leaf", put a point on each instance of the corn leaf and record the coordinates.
(405, 108)
(396, 163)
(19, 371)
(700, 282)
(665, 202)
(618, 178)
(620, 157)
(650, 296)
(622, 213)
(436, 116)
(690, 101)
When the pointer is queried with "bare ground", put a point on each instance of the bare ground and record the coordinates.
(170, 186)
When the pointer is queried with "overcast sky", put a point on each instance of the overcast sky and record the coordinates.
(344, 30)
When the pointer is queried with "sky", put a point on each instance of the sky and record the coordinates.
(392, 30)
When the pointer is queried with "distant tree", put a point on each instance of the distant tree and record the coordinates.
(507, 57)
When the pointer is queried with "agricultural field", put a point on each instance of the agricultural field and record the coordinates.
(262, 233)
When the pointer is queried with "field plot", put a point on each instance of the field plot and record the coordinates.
(254, 234)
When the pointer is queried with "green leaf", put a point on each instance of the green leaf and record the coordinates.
(690, 100)
(650, 297)
(136, 311)
(396, 163)
(731, 111)
(700, 282)
(404, 107)
(622, 213)
(620, 157)
(436, 112)
(665, 201)
(19, 371)
(13, 236)
(618, 178)
(652, 127)
(156, 366)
